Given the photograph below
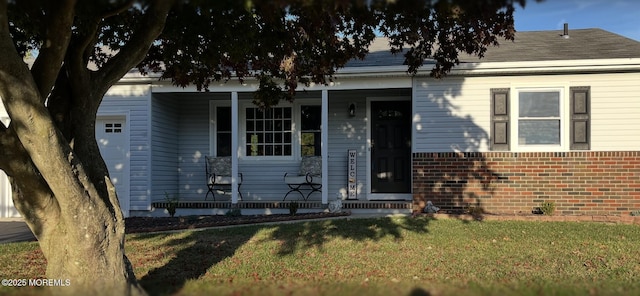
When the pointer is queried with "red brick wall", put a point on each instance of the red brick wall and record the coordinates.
(580, 183)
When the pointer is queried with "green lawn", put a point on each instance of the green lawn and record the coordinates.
(383, 256)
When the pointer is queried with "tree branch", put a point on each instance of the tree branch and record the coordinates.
(30, 120)
(56, 36)
(134, 51)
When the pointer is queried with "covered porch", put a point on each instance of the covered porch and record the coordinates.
(326, 122)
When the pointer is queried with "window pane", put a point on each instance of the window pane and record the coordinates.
(539, 104)
(268, 131)
(539, 132)
(310, 125)
(307, 149)
(223, 118)
(310, 117)
(223, 144)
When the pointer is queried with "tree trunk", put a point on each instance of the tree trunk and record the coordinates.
(89, 258)
(84, 245)
(60, 182)
(61, 186)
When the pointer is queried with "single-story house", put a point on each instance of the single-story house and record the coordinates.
(553, 116)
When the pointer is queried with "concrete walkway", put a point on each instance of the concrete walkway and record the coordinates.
(14, 230)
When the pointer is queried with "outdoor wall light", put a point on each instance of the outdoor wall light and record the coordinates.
(352, 109)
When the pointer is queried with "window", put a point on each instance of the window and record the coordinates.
(268, 132)
(310, 130)
(223, 132)
(286, 132)
(539, 119)
(113, 127)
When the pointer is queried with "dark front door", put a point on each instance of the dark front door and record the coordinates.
(391, 147)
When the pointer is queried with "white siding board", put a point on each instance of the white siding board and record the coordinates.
(450, 114)
(264, 180)
(164, 154)
(193, 139)
(346, 133)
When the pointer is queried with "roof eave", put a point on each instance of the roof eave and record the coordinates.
(470, 69)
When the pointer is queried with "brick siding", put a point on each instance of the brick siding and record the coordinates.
(579, 183)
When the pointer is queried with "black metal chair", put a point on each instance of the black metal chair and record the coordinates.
(309, 177)
(218, 170)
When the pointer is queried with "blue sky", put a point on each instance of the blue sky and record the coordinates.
(618, 16)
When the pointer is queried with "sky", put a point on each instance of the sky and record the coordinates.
(618, 16)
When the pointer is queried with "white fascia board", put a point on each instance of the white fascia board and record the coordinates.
(339, 83)
(397, 76)
(537, 67)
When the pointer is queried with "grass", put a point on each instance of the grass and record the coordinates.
(383, 256)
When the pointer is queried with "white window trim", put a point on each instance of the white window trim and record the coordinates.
(564, 120)
(296, 135)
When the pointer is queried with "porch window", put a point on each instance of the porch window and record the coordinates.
(269, 132)
(223, 133)
(310, 130)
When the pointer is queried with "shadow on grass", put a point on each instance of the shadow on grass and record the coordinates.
(314, 235)
(198, 251)
(195, 254)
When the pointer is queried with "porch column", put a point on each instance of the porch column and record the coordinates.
(234, 147)
(324, 147)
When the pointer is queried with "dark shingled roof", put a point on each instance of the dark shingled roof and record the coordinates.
(530, 46)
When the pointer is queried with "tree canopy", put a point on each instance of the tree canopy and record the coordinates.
(290, 41)
(301, 41)
(78, 49)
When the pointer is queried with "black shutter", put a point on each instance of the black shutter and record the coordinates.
(499, 119)
(580, 114)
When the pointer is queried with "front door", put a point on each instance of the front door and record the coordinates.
(390, 147)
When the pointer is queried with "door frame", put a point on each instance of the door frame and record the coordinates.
(385, 196)
(125, 204)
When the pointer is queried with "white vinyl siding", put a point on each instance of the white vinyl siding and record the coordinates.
(164, 143)
(615, 111)
(193, 139)
(134, 99)
(453, 114)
